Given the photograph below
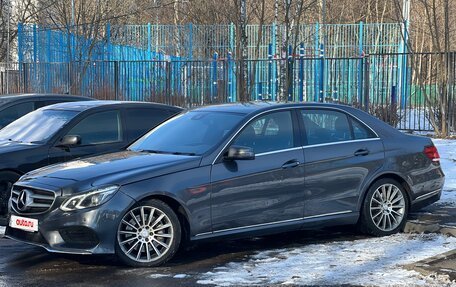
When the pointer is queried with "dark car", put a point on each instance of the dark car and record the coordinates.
(15, 106)
(229, 170)
(66, 131)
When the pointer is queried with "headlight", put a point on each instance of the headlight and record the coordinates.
(90, 199)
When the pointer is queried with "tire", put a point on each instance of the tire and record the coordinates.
(385, 208)
(7, 179)
(138, 240)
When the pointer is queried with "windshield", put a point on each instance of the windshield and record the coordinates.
(192, 133)
(37, 126)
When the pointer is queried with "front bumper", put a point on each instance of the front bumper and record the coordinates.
(87, 231)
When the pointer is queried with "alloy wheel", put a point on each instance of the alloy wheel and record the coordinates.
(145, 234)
(387, 207)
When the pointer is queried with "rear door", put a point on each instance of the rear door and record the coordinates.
(100, 132)
(340, 152)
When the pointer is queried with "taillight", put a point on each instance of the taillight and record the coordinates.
(432, 153)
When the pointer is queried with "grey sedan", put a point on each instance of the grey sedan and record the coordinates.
(229, 170)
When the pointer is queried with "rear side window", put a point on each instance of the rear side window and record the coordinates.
(40, 104)
(99, 128)
(12, 113)
(360, 131)
(140, 121)
(271, 132)
(325, 126)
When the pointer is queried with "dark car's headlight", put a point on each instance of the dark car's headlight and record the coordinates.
(90, 199)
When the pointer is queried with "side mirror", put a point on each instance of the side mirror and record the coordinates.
(240, 153)
(70, 140)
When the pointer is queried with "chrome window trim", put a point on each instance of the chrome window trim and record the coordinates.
(275, 222)
(278, 151)
(293, 108)
(341, 142)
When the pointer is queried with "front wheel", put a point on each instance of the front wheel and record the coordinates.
(148, 235)
(385, 208)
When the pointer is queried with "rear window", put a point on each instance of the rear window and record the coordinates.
(326, 126)
(140, 121)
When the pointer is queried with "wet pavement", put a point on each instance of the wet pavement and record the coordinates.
(25, 265)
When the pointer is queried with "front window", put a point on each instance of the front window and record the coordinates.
(37, 126)
(99, 128)
(272, 132)
(192, 133)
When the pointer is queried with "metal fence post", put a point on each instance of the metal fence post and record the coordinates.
(366, 84)
(214, 77)
(25, 78)
(290, 78)
(361, 62)
(116, 80)
(316, 63)
(231, 86)
(301, 72)
(321, 85)
(168, 81)
(149, 42)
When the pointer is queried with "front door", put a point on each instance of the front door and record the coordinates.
(100, 133)
(266, 190)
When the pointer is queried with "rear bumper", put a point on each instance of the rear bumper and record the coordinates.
(426, 199)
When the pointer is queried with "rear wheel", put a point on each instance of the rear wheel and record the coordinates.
(7, 179)
(148, 235)
(385, 208)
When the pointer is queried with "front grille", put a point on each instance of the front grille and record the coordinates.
(27, 200)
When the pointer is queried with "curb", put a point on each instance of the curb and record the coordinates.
(417, 226)
(442, 264)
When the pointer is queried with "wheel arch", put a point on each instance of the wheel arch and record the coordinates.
(16, 171)
(178, 207)
(391, 175)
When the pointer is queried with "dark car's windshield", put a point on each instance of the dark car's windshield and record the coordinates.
(37, 126)
(191, 133)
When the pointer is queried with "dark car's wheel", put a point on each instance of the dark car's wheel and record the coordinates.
(385, 208)
(7, 179)
(148, 235)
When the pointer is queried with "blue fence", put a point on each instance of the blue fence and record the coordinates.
(200, 42)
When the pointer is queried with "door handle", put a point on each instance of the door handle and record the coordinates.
(361, 152)
(291, 164)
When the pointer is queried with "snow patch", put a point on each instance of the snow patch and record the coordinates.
(180, 276)
(447, 151)
(156, 276)
(372, 262)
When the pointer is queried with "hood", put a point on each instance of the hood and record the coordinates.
(12, 146)
(115, 168)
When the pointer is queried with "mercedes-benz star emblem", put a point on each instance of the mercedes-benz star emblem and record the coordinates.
(24, 200)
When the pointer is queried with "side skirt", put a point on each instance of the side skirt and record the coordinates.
(343, 218)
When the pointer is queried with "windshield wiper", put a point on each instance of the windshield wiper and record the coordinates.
(184, 153)
(16, 141)
(167, 152)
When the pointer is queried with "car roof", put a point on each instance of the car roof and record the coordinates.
(35, 96)
(256, 107)
(87, 105)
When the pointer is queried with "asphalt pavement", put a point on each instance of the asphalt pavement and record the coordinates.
(25, 265)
